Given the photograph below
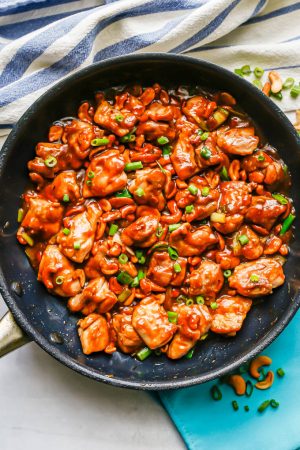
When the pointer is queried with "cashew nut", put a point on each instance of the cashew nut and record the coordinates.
(267, 382)
(238, 383)
(257, 363)
(276, 82)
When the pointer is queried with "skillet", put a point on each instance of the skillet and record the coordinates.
(45, 319)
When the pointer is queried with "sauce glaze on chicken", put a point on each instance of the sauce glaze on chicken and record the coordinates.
(159, 215)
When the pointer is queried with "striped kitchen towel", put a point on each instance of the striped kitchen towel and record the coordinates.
(42, 41)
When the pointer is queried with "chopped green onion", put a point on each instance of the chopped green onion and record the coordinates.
(177, 268)
(243, 239)
(249, 388)
(161, 167)
(125, 193)
(66, 198)
(200, 132)
(89, 182)
(257, 83)
(205, 153)
(260, 158)
(254, 278)
(224, 174)
(172, 316)
(277, 95)
(50, 162)
(238, 72)
(205, 191)
(174, 226)
(190, 354)
(280, 372)
(162, 140)
(59, 280)
(246, 408)
(258, 72)
(263, 406)
(138, 278)
(227, 273)
(113, 229)
(287, 223)
(216, 393)
(172, 253)
(99, 141)
(159, 231)
(200, 300)
(285, 169)
(127, 138)
(280, 198)
(289, 83)
(214, 305)
(189, 209)
(144, 353)
(166, 150)
(66, 231)
(203, 337)
(77, 245)
(141, 274)
(119, 118)
(125, 294)
(20, 215)
(123, 258)
(295, 91)
(274, 404)
(140, 256)
(139, 192)
(235, 405)
(27, 238)
(246, 70)
(193, 189)
(91, 174)
(204, 136)
(129, 167)
(124, 278)
(189, 302)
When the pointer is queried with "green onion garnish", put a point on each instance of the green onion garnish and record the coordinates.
(204, 136)
(140, 256)
(166, 150)
(172, 316)
(91, 174)
(59, 279)
(235, 405)
(139, 192)
(77, 245)
(246, 70)
(205, 153)
(200, 132)
(66, 198)
(174, 226)
(124, 193)
(144, 353)
(280, 372)
(260, 158)
(66, 231)
(177, 268)
(51, 161)
(127, 138)
(246, 408)
(263, 406)
(159, 231)
(124, 278)
(129, 167)
(27, 238)
(216, 393)
(274, 404)
(190, 354)
(193, 189)
(189, 302)
(254, 278)
(227, 273)
(295, 91)
(125, 294)
(162, 140)
(238, 72)
(214, 305)
(243, 239)
(280, 198)
(20, 215)
(257, 83)
(289, 83)
(89, 182)
(200, 300)
(287, 223)
(99, 141)
(113, 229)
(224, 174)
(249, 388)
(258, 72)
(119, 118)
(189, 209)
(205, 191)
(277, 95)
(172, 253)
(123, 258)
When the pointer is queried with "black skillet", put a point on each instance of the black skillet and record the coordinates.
(40, 314)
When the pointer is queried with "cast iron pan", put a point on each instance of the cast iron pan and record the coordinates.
(39, 314)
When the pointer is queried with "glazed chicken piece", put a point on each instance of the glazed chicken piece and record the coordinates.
(129, 103)
(253, 249)
(147, 188)
(237, 141)
(95, 297)
(58, 274)
(165, 113)
(193, 322)
(207, 280)
(43, 217)
(119, 122)
(127, 338)
(94, 333)
(150, 321)
(161, 269)
(228, 318)
(183, 158)
(264, 211)
(141, 233)
(153, 130)
(257, 278)
(199, 108)
(78, 135)
(189, 241)
(103, 260)
(262, 168)
(105, 175)
(64, 184)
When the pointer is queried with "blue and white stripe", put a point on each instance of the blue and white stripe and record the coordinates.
(42, 41)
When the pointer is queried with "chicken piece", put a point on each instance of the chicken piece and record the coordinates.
(119, 122)
(95, 297)
(153, 130)
(190, 242)
(227, 259)
(161, 269)
(257, 278)
(129, 103)
(147, 188)
(127, 338)
(43, 218)
(150, 321)
(183, 158)
(105, 175)
(157, 112)
(78, 135)
(253, 249)
(65, 183)
(141, 233)
(193, 322)
(228, 318)
(94, 333)
(264, 211)
(58, 273)
(237, 141)
(208, 154)
(207, 280)
(262, 168)
(103, 260)
(199, 108)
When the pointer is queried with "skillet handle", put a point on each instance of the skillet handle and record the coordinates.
(11, 335)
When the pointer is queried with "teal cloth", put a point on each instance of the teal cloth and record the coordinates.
(208, 424)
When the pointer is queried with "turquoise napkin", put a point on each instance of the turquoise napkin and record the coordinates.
(205, 423)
